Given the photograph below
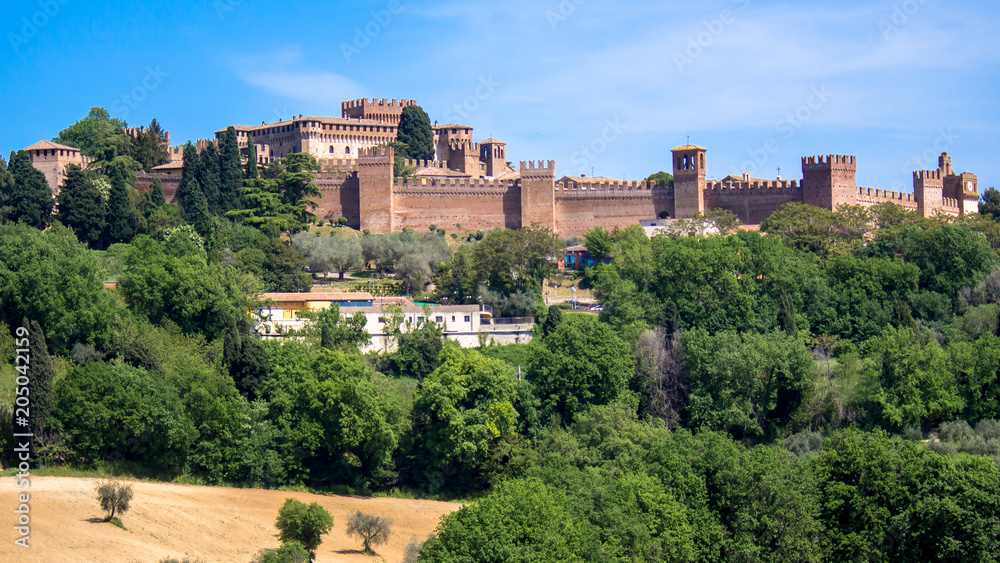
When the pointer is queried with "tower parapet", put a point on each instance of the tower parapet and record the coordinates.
(829, 181)
(538, 202)
(383, 110)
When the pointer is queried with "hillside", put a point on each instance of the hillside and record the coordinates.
(212, 524)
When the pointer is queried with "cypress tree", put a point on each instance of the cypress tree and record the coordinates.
(196, 208)
(40, 375)
(81, 207)
(209, 178)
(230, 171)
(156, 196)
(31, 199)
(415, 132)
(6, 190)
(121, 220)
(251, 169)
(192, 167)
(326, 336)
(553, 319)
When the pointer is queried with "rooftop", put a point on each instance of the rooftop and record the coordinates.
(49, 145)
(318, 296)
(689, 148)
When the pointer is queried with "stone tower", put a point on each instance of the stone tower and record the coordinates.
(51, 160)
(829, 181)
(375, 189)
(928, 190)
(689, 180)
(494, 154)
(463, 156)
(538, 194)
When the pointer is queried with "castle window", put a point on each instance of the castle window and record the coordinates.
(347, 150)
(331, 149)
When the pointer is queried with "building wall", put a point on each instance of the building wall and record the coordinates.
(474, 204)
(582, 206)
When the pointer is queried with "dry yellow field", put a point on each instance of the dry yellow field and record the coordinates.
(213, 524)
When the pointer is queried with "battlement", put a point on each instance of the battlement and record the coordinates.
(375, 156)
(463, 145)
(927, 174)
(608, 186)
(383, 103)
(762, 185)
(538, 166)
(468, 186)
(829, 161)
(426, 163)
(875, 195)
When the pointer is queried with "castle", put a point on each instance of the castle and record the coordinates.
(472, 186)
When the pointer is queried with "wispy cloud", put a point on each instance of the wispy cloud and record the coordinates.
(284, 73)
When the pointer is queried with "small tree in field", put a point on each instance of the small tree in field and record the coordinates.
(114, 497)
(303, 523)
(373, 530)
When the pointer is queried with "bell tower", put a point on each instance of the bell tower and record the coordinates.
(689, 180)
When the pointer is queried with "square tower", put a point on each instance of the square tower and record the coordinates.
(829, 181)
(689, 180)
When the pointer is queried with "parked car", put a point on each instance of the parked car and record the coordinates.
(597, 307)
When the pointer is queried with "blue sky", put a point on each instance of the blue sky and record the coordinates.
(602, 87)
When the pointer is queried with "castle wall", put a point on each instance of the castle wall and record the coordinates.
(340, 198)
(752, 202)
(170, 184)
(868, 197)
(474, 204)
(582, 206)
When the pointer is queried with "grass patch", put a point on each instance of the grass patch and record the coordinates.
(118, 523)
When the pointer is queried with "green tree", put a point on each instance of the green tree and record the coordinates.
(418, 350)
(291, 552)
(520, 521)
(264, 208)
(51, 278)
(90, 132)
(284, 268)
(6, 191)
(306, 524)
(230, 171)
(150, 148)
(415, 132)
(990, 203)
(744, 383)
(195, 208)
(209, 178)
(121, 219)
(81, 207)
(251, 172)
(583, 362)
(516, 260)
(553, 318)
(41, 377)
(909, 380)
(297, 187)
(31, 199)
(156, 195)
(246, 359)
(106, 411)
(463, 416)
(173, 280)
(599, 243)
(661, 177)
